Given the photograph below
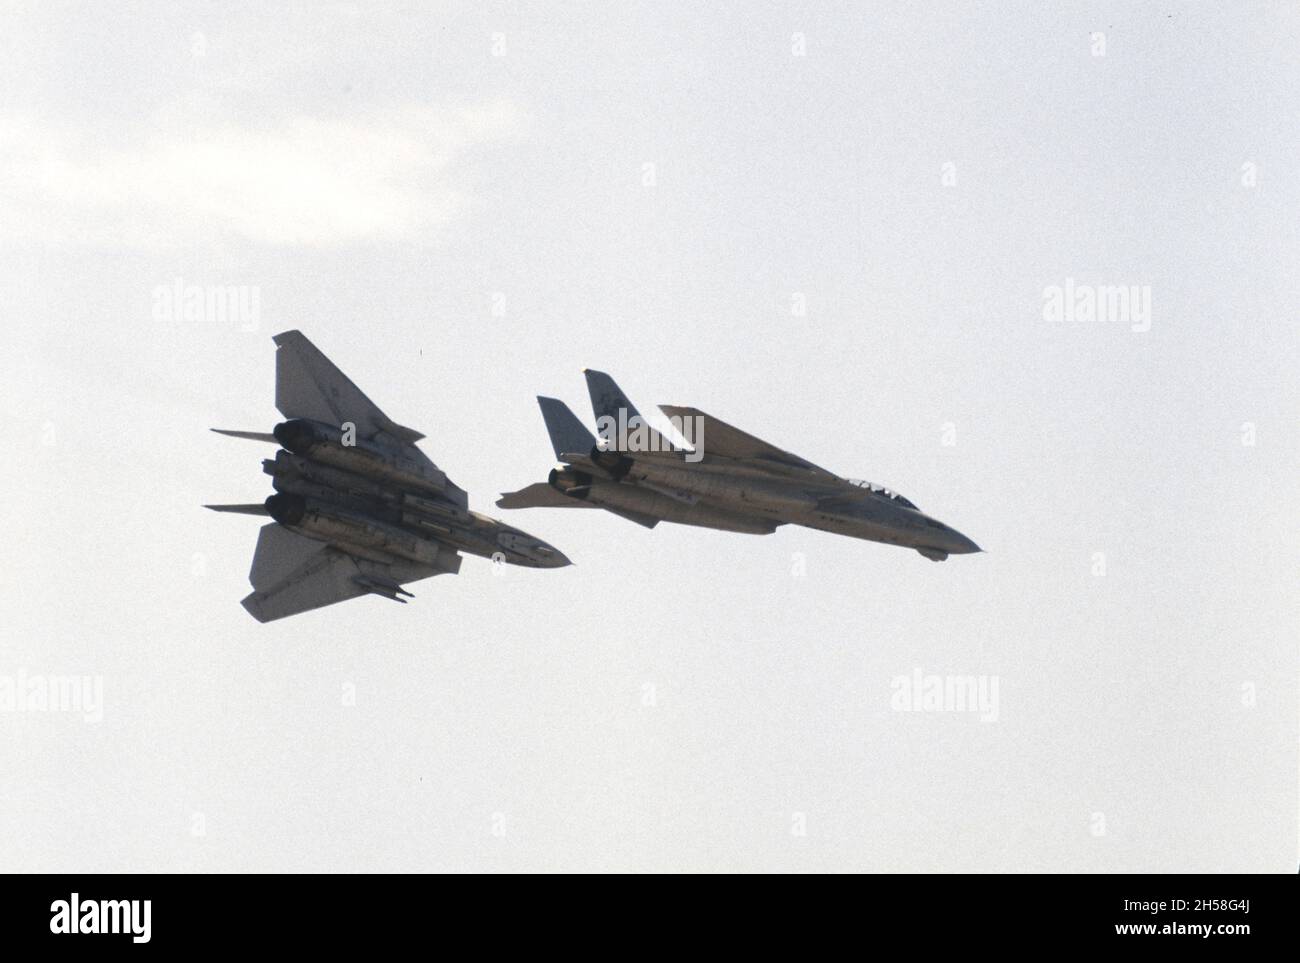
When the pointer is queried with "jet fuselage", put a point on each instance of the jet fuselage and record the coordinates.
(358, 508)
(375, 509)
(719, 493)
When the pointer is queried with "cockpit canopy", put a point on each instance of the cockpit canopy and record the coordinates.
(882, 490)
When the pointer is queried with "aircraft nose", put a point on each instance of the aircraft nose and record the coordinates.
(549, 557)
(959, 544)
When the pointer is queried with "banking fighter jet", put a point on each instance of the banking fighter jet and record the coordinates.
(722, 478)
(358, 509)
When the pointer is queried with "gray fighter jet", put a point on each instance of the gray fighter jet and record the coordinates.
(358, 509)
(722, 478)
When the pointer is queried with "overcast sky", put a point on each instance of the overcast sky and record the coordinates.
(840, 229)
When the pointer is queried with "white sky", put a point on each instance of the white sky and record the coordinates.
(383, 181)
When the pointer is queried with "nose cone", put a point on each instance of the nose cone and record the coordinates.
(546, 556)
(959, 544)
(520, 548)
(554, 558)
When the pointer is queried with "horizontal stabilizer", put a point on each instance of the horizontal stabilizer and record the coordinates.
(539, 495)
(309, 385)
(293, 574)
(649, 521)
(408, 436)
(257, 508)
(279, 554)
(250, 435)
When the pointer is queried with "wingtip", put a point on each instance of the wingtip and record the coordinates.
(252, 604)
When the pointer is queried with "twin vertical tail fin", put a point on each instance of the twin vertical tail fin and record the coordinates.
(568, 435)
(614, 410)
(607, 398)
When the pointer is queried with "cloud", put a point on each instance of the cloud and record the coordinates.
(394, 175)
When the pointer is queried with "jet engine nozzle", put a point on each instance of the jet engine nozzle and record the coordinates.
(296, 435)
(287, 509)
(570, 482)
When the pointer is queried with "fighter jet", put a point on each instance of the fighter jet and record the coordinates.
(358, 509)
(721, 478)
